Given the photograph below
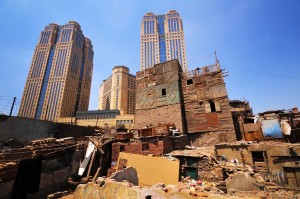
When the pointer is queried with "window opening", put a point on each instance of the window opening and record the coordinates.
(189, 81)
(145, 147)
(258, 156)
(122, 148)
(212, 106)
(163, 92)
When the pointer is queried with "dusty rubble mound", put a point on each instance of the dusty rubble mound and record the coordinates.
(121, 190)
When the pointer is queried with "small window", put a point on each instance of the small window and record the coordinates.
(212, 106)
(145, 147)
(148, 197)
(163, 92)
(122, 148)
(189, 81)
(258, 156)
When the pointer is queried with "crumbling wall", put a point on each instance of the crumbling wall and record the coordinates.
(53, 177)
(211, 138)
(26, 129)
(68, 130)
(234, 152)
(208, 171)
(161, 115)
(156, 148)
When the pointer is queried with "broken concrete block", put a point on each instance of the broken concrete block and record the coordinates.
(242, 181)
(129, 174)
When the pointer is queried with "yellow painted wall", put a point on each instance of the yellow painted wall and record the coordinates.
(152, 170)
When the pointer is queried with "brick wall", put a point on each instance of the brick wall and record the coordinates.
(211, 138)
(156, 148)
(161, 115)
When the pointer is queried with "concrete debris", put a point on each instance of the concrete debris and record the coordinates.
(128, 174)
(248, 183)
(120, 190)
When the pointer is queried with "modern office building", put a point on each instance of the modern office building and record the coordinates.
(162, 39)
(118, 91)
(100, 118)
(59, 80)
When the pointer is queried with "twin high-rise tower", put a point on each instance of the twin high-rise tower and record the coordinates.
(162, 39)
(59, 80)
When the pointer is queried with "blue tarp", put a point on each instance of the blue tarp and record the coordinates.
(271, 128)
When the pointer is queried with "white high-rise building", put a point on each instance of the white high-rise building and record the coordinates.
(162, 39)
(118, 91)
(60, 75)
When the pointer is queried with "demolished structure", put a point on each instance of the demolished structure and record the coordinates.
(184, 145)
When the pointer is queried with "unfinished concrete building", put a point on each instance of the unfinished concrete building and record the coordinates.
(159, 97)
(207, 109)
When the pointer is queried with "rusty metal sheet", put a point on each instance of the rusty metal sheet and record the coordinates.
(251, 127)
(146, 132)
(161, 130)
(253, 135)
(212, 119)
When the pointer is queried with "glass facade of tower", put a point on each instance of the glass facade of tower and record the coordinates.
(59, 79)
(162, 39)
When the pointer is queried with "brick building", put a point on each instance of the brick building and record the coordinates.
(195, 101)
(159, 97)
(207, 109)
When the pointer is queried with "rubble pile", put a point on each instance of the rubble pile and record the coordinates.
(242, 180)
(8, 171)
(109, 188)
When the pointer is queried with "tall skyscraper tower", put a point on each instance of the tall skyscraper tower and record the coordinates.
(162, 39)
(59, 80)
(118, 91)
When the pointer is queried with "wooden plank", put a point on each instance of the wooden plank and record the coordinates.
(91, 163)
(87, 157)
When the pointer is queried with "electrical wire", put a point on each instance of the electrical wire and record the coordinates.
(6, 104)
(263, 73)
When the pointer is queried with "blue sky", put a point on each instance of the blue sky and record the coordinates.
(257, 42)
